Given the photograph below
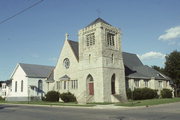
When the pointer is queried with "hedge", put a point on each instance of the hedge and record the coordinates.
(52, 96)
(68, 97)
(166, 93)
(144, 93)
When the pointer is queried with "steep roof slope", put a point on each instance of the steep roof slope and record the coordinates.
(131, 60)
(135, 69)
(75, 48)
(98, 20)
(40, 71)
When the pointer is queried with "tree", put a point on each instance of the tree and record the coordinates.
(172, 68)
(161, 70)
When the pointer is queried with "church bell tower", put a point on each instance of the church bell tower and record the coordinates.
(100, 63)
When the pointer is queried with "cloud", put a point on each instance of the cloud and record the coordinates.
(170, 34)
(152, 55)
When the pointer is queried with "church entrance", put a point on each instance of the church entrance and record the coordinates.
(91, 88)
(113, 84)
(90, 83)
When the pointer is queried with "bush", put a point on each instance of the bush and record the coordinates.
(52, 96)
(1, 99)
(129, 93)
(144, 93)
(166, 93)
(68, 97)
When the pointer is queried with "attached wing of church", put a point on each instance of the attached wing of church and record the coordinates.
(94, 69)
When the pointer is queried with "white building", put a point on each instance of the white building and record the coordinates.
(29, 82)
(5, 88)
(94, 69)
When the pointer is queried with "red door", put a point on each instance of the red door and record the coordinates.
(91, 88)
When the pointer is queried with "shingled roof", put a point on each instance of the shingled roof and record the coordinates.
(97, 21)
(131, 60)
(75, 48)
(36, 71)
(135, 69)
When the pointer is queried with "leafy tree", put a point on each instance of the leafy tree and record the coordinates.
(158, 68)
(172, 68)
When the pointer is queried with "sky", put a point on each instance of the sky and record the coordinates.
(150, 28)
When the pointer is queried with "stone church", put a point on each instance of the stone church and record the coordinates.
(94, 69)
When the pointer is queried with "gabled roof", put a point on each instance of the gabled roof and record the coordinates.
(135, 69)
(75, 48)
(65, 77)
(97, 21)
(50, 78)
(36, 71)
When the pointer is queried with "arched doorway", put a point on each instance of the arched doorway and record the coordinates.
(90, 83)
(113, 91)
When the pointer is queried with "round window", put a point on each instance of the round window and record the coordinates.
(66, 63)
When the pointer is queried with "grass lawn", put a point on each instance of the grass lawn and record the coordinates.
(48, 103)
(148, 102)
(128, 104)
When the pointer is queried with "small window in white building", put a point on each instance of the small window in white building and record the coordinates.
(136, 82)
(15, 86)
(40, 85)
(146, 83)
(57, 85)
(166, 83)
(160, 84)
(22, 85)
(64, 84)
(4, 86)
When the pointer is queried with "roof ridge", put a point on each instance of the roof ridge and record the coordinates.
(35, 64)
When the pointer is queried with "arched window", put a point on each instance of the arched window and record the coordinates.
(90, 83)
(112, 58)
(22, 85)
(89, 58)
(113, 84)
(110, 39)
(15, 86)
(40, 85)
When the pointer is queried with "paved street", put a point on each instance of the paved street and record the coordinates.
(19, 112)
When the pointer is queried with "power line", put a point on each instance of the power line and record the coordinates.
(20, 12)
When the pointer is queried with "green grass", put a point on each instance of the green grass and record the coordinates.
(134, 103)
(48, 103)
(100, 103)
(148, 102)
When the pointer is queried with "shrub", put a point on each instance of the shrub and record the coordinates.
(1, 99)
(68, 97)
(52, 96)
(166, 93)
(129, 93)
(144, 93)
